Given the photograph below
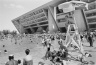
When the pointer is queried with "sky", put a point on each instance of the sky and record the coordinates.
(11, 9)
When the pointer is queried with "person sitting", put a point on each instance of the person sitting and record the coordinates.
(28, 59)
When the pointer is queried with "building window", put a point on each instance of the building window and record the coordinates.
(91, 20)
(88, 1)
(43, 23)
(35, 29)
(29, 31)
(42, 19)
(91, 14)
(62, 20)
(33, 25)
(26, 26)
(92, 25)
(39, 16)
(63, 29)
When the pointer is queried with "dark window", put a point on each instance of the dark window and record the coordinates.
(40, 15)
(29, 31)
(63, 29)
(91, 20)
(34, 25)
(26, 26)
(88, 1)
(35, 28)
(44, 27)
(43, 23)
(91, 14)
(62, 20)
(42, 19)
(92, 25)
(46, 11)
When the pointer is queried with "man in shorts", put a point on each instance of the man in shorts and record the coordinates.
(28, 59)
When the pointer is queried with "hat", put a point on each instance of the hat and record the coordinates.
(11, 55)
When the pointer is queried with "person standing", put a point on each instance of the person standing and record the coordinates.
(90, 39)
(28, 59)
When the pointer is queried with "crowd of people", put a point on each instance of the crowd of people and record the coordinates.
(55, 55)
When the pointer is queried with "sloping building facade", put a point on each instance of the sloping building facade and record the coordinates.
(48, 18)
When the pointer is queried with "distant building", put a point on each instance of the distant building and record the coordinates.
(49, 18)
(90, 15)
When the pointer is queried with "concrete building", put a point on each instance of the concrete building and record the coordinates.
(90, 15)
(49, 18)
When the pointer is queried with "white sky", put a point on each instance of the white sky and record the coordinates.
(10, 9)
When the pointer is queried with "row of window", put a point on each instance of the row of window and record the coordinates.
(91, 20)
(34, 21)
(36, 29)
(43, 23)
(92, 25)
(25, 26)
(91, 14)
(41, 19)
(62, 20)
(27, 17)
(36, 17)
(88, 1)
(33, 13)
(33, 25)
(33, 18)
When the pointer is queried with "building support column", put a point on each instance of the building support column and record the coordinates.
(51, 22)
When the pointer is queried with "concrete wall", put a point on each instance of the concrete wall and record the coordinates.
(79, 20)
(19, 27)
(51, 22)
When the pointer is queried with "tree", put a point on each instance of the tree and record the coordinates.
(5, 32)
(14, 33)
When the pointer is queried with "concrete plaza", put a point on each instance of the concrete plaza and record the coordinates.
(37, 51)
